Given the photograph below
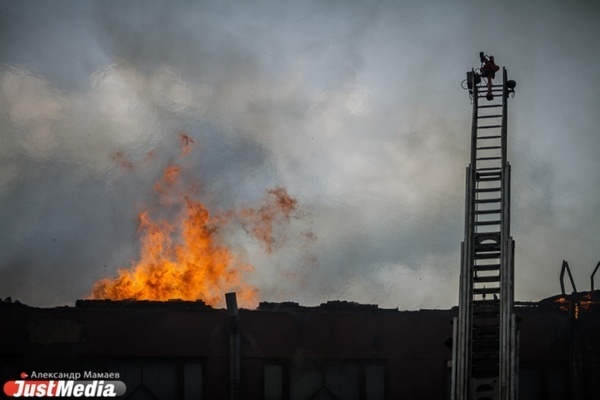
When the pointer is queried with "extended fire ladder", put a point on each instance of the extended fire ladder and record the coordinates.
(485, 345)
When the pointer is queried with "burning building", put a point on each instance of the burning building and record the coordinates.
(338, 350)
(158, 348)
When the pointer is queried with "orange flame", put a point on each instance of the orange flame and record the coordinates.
(186, 259)
(186, 143)
(278, 206)
(198, 267)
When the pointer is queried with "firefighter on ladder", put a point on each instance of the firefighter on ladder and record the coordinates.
(488, 70)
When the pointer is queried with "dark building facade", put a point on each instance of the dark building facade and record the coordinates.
(339, 350)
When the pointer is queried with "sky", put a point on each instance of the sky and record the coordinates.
(356, 108)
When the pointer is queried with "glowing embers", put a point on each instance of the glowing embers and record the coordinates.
(577, 303)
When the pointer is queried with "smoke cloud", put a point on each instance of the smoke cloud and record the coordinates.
(355, 108)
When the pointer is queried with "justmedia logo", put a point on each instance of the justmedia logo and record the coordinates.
(64, 388)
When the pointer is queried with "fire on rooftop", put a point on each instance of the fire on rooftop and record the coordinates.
(489, 347)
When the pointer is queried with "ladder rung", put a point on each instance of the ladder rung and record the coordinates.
(489, 137)
(489, 126)
(493, 278)
(495, 211)
(486, 303)
(489, 116)
(486, 314)
(487, 339)
(480, 223)
(484, 85)
(484, 343)
(481, 372)
(488, 190)
(490, 171)
(487, 306)
(497, 169)
(490, 106)
(488, 158)
(489, 147)
(488, 247)
(488, 347)
(494, 178)
(488, 201)
(485, 368)
(485, 371)
(495, 290)
(488, 369)
(489, 328)
(485, 359)
(487, 343)
(488, 235)
(485, 349)
(487, 256)
(493, 246)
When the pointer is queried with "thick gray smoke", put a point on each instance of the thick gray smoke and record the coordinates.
(355, 108)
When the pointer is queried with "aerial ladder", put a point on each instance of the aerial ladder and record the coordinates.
(485, 348)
